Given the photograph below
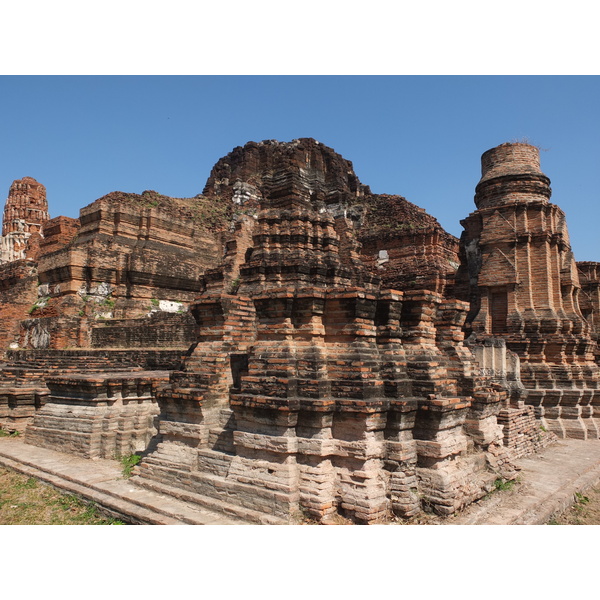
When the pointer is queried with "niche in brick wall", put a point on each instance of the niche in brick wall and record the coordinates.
(239, 368)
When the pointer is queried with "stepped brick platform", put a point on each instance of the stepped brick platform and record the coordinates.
(108, 414)
(23, 380)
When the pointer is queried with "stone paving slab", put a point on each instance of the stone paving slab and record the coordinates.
(548, 482)
(547, 486)
(101, 481)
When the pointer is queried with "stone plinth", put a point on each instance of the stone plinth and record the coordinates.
(98, 415)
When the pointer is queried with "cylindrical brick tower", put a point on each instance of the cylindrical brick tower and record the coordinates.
(511, 173)
(519, 274)
(25, 213)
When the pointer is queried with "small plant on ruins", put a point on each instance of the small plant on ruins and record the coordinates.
(235, 284)
(39, 303)
(5, 433)
(109, 303)
(581, 499)
(128, 462)
(502, 484)
(154, 302)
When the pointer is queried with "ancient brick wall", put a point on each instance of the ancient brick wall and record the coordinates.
(589, 299)
(23, 380)
(160, 330)
(311, 387)
(58, 233)
(126, 255)
(109, 415)
(18, 294)
(522, 432)
(406, 247)
(142, 251)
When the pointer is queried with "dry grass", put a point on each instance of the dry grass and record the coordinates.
(26, 501)
(585, 510)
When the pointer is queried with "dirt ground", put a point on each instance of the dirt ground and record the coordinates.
(585, 511)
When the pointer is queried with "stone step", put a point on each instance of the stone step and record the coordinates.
(101, 482)
(239, 512)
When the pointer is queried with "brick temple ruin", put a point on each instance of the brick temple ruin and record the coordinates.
(289, 343)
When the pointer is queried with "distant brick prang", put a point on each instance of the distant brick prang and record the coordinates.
(25, 213)
(519, 275)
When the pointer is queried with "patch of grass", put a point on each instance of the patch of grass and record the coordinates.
(26, 484)
(27, 501)
(581, 499)
(503, 484)
(109, 303)
(4, 433)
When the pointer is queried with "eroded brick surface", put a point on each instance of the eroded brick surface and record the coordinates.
(519, 275)
(288, 344)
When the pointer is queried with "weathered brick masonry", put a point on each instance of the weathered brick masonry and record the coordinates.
(288, 343)
(519, 275)
(312, 389)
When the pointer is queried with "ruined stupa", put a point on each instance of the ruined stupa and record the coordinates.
(519, 275)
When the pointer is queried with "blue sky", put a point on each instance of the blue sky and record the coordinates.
(417, 136)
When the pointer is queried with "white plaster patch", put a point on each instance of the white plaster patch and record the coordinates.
(383, 257)
(104, 315)
(169, 306)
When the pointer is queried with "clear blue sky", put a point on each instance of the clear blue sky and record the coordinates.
(417, 136)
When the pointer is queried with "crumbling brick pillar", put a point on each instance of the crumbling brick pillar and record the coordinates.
(265, 459)
(358, 429)
(449, 478)
(401, 457)
(317, 482)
